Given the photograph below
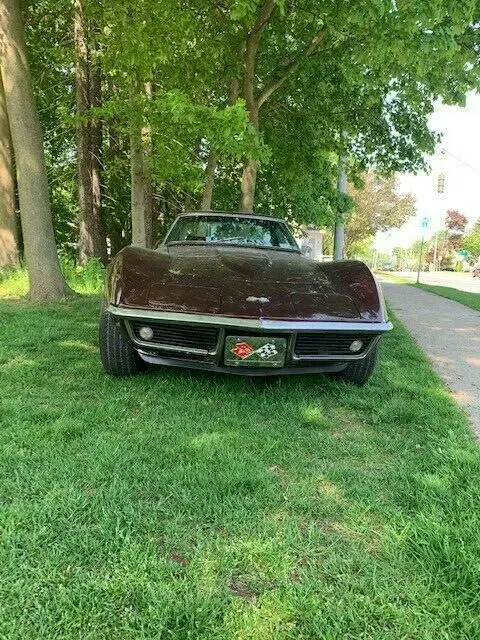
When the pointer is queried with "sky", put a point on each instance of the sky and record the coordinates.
(457, 157)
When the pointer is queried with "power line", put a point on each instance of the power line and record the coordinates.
(462, 162)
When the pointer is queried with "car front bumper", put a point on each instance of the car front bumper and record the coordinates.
(328, 340)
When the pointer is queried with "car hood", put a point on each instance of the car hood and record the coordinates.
(240, 282)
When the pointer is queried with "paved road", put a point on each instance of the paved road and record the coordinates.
(449, 333)
(462, 281)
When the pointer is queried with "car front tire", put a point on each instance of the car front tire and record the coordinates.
(358, 372)
(117, 354)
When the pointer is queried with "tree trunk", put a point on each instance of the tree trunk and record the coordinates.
(148, 212)
(249, 177)
(253, 102)
(83, 136)
(250, 167)
(249, 181)
(147, 154)
(139, 190)
(117, 220)
(8, 223)
(45, 277)
(142, 195)
(89, 139)
(209, 181)
(98, 226)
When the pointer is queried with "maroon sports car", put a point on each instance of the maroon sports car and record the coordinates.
(233, 293)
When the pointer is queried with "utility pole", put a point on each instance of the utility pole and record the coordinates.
(425, 223)
(420, 258)
(339, 231)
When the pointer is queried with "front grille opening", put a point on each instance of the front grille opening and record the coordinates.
(179, 357)
(184, 336)
(329, 344)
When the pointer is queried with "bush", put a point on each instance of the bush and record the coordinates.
(13, 282)
(87, 279)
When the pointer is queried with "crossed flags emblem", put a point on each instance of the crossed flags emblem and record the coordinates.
(244, 350)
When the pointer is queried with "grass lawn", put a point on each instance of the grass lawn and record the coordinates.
(179, 505)
(471, 300)
(466, 298)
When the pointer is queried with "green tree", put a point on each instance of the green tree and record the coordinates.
(185, 120)
(49, 34)
(471, 242)
(370, 94)
(88, 93)
(184, 114)
(378, 207)
(45, 278)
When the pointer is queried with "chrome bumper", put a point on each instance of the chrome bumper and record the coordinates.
(289, 326)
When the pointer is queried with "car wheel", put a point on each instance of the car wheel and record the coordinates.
(359, 371)
(118, 356)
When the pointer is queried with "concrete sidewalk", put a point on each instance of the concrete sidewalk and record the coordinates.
(449, 333)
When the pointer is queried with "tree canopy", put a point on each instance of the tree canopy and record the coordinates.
(471, 242)
(150, 108)
(378, 207)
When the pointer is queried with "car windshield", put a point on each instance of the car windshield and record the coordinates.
(233, 230)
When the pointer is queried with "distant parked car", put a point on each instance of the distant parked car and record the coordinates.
(233, 293)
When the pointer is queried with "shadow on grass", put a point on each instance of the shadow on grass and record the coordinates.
(189, 504)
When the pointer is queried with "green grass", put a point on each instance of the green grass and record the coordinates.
(179, 505)
(84, 280)
(13, 284)
(466, 298)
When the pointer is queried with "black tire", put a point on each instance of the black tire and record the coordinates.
(359, 371)
(117, 354)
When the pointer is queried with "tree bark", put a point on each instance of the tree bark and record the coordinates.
(209, 182)
(141, 189)
(147, 154)
(148, 211)
(89, 140)
(45, 277)
(98, 225)
(250, 168)
(117, 222)
(8, 223)
(249, 177)
(249, 181)
(83, 136)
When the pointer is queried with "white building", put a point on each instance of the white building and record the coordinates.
(311, 243)
(454, 178)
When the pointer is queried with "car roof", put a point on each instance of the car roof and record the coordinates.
(226, 214)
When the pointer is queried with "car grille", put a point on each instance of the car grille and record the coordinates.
(184, 336)
(328, 344)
